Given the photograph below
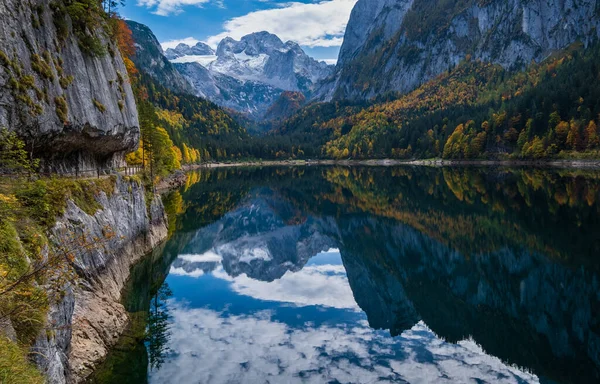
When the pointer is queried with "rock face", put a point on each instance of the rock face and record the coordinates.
(249, 75)
(149, 57)
(89, 317)
(397, 45)
(72, 108)
(200, 49)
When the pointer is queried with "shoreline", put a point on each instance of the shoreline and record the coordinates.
(559, 164)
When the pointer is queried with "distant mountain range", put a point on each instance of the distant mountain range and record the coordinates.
(182, 50)
(247, 76)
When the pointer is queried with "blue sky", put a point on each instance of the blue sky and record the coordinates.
(317, 25)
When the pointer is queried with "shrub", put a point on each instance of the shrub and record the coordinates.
(99, 106)
(62, 110)
(41, 67)
(66, 81)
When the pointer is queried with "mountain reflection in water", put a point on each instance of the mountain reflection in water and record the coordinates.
(356, 275)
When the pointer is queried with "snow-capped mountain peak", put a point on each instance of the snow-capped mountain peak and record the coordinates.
(259, 59)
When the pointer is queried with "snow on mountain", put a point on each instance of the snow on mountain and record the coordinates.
(250, 74)
(200, 49)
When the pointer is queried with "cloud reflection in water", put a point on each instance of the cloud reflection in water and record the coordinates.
(210, 346)
(220, 347)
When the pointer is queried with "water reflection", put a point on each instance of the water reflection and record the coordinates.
(376, 275)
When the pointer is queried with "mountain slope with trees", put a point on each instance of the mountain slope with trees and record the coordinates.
(476, 110)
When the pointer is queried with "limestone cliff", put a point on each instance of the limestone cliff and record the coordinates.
(397, 45)
(73, 108)
(89, 318)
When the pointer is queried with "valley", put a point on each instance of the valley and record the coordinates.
(417, 179)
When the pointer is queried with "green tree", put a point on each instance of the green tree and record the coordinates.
(157, 146)
(13, 156)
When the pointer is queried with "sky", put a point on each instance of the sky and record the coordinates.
(317, 25)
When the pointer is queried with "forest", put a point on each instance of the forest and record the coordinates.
(474, 111)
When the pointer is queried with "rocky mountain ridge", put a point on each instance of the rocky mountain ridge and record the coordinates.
(397, 45)
(149, 56)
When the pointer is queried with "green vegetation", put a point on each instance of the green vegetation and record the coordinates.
(42, 67)
(99, 106)
(62, 110)
(88, 18)
(66, 81)
(13, 368)
(47, 199)
(13, 156)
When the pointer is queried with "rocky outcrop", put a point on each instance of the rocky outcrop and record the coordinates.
(397, 45)
(73, 108)
(89, 318)
(149, 57)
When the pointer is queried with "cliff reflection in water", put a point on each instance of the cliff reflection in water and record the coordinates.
(288, 274)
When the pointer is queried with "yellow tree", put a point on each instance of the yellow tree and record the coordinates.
(591, 135)
(186, 154)
(178, 153)
(573, 135)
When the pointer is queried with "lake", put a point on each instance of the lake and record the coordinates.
(368, 275)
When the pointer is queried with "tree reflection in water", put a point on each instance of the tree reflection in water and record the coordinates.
(157, 332)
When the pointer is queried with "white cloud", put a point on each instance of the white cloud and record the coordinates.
(209, 346)
(182, 272)
(325, 285)
(320, 24)
(173, 43)
(207, 257)
(167, 7)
